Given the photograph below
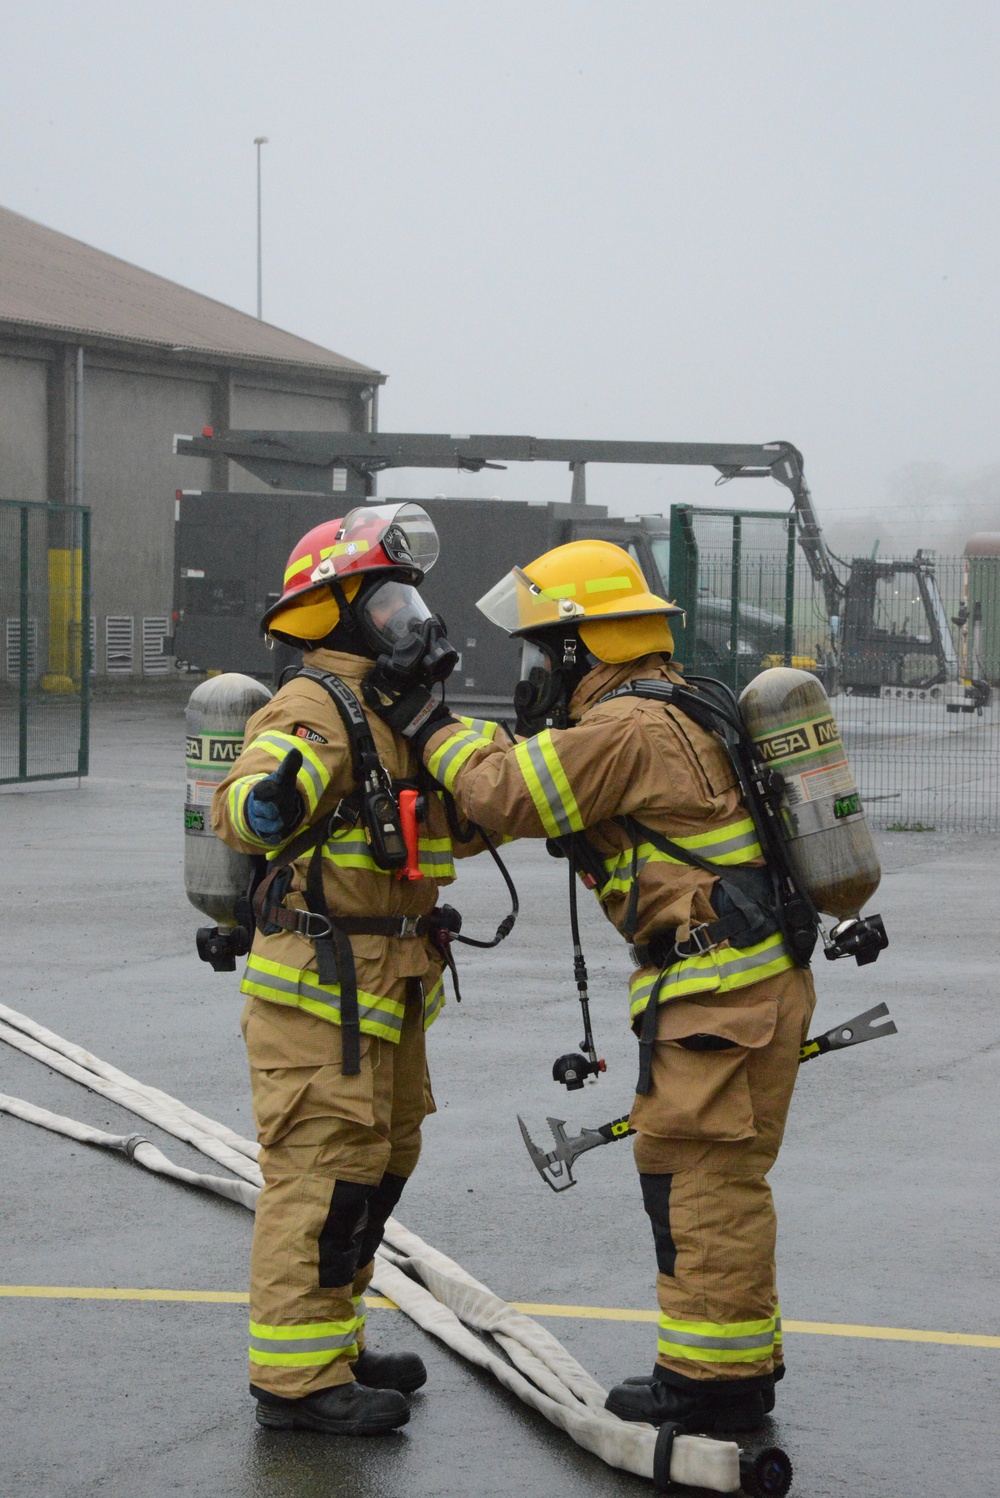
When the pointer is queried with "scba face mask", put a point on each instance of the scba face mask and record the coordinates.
(548, 677)
(408, 641)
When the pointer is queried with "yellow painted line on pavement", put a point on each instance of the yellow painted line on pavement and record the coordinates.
(99, 1292)
(530, 1308)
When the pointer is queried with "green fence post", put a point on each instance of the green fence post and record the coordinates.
(734, 604)
(790, 593)
(684, 579)
(22, 708)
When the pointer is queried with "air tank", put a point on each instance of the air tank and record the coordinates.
(830, 848)
(216, 716)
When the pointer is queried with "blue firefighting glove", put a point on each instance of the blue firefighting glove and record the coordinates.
(410, 711)
(274, 807)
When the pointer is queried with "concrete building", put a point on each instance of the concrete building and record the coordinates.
(156, 359)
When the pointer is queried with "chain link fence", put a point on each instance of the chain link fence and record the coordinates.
(46, 644)
(909, 652)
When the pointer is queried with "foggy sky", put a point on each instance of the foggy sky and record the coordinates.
(729, 220)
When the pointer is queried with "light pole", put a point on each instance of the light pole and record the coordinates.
(259, 140)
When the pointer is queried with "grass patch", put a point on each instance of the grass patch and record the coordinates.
(909, 827)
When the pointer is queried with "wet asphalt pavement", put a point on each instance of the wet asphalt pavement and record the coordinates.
(886, 1187)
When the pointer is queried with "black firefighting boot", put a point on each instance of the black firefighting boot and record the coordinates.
(767, 1391)
(403, 1371)
(702, 1406)
(344, 1410)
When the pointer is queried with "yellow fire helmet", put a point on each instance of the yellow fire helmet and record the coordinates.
(593, 584)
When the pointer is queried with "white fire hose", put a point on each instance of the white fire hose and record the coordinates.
(544, 1375)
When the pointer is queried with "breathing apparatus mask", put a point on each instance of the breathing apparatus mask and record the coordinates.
(552, 666)
(408, 642)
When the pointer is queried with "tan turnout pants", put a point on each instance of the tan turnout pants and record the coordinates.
(335, 1154)
(707, 1134)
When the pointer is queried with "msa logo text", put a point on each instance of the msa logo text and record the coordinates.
(224, 751)
(803, 740)
(782, 745)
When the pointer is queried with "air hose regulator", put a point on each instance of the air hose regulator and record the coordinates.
(573, 1069)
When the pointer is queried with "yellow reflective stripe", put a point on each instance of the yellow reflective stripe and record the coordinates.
(433, 1002)
(608, 584)
(299, 565)
(559, 590)
(714, 972)
(715, 1342)
(730, 846)
(743, 830)
(777, 1327)
(308, 1329)
(434, 857)
(312, 1344)
(313, 777)
(318, 1359)
(236, 800)
(352, 851)
(301, 989)
(446, 761)
(548, 785)
(485, 727)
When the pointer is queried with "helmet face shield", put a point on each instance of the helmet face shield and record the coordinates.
(400, 535)
(515, 603)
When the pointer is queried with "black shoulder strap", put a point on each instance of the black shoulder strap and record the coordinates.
(364, 755)
(715, 708)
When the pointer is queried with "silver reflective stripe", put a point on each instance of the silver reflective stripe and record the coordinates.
(441, 765)
(711, 850)
(304, 1344)
(722, 1344)
(726, 966)
(357, 847)
(724, 845)
(329, 997)
(436, 858)
(548, 786)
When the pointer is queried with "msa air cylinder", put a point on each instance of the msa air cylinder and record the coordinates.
(215, 876)
(830, 847)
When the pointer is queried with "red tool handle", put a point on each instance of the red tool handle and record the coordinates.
(408, 822)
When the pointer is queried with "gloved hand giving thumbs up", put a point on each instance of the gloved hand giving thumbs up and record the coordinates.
(274, 807)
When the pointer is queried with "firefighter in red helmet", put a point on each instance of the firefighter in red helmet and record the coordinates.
(344, 976)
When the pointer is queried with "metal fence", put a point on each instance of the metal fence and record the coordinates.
(912, 665)
(47, 642)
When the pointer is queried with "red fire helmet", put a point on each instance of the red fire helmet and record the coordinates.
(398, 539)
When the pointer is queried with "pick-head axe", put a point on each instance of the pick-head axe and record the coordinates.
(556, 1167)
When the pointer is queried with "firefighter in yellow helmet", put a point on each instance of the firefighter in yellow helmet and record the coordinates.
(344, 975)
(632, 788)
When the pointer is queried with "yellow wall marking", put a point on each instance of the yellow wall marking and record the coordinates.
(530, 1308)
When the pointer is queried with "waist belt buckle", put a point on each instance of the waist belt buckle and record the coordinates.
(310, 924)
(408, 926)
(702, 942)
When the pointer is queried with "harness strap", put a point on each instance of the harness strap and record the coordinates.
(753, 918)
